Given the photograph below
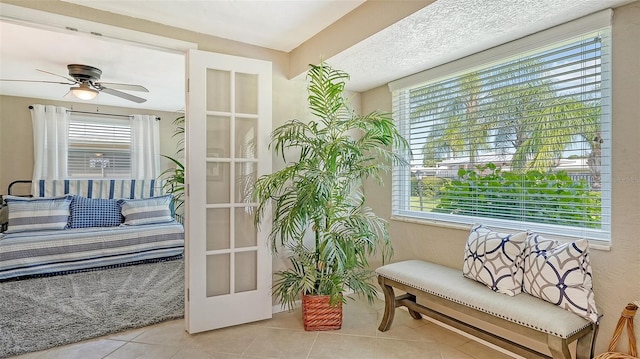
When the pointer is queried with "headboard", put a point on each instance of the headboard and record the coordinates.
(90, 188)
(102, 188)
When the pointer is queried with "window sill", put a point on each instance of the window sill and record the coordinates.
(593, 244)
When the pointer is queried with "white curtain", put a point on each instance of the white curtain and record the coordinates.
(50, 141)
(145, 147)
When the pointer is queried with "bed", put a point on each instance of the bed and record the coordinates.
(144, 228)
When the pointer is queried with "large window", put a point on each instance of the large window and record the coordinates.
(99, 147)
(519, 141)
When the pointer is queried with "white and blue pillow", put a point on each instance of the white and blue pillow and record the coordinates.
(34, 214)
(146, 211)
(494, 258)
(560, 273)
(94, 212)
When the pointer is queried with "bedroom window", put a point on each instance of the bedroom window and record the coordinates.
(517, 137)
(99, 147)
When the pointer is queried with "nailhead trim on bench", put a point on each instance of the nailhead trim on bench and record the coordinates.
(484, 310)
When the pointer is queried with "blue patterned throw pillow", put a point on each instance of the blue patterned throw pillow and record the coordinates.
(494, 258)
(33, 214)
(560, 273)
(146, 211)
(94, 212)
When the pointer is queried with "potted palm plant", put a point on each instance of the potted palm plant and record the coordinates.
(320, 195)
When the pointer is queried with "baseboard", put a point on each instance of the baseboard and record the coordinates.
(279, 308)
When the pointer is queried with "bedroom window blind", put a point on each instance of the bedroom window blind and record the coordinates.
(99, 147)
(521, 142)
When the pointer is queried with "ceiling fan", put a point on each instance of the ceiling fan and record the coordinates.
(87, 85)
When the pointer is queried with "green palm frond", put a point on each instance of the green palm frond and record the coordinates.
(319, 192)
(174, 181)
(173, 178)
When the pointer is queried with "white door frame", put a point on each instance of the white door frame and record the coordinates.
(206, 310)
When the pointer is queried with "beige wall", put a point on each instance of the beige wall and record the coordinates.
(616, 271)
(16, 148)
(16, 135)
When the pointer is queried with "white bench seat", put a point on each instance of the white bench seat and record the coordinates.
(427, 283)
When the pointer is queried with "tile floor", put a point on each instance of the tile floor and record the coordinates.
(283, 336)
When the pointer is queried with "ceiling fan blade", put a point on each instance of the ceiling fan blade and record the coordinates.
(123, 95)
(64, 77)
(118, 86)
(69, 95)
(45, 82)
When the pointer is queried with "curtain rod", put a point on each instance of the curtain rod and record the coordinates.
(99, 113)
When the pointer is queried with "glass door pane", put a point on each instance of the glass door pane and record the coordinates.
(218, 284)
(218, 90)
(218, 235)
(246, 93)
(246, 271)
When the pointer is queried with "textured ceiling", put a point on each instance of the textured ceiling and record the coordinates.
(451, 29)
(439, 33)
(275, 24)
(24, 49)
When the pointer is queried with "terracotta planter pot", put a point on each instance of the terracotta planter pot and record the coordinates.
(317, 314)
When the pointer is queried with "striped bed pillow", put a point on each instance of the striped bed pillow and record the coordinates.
(35, 214)
(146, 211)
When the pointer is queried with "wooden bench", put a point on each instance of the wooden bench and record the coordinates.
(431, 287)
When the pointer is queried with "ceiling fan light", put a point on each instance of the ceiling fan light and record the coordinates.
(84, 93)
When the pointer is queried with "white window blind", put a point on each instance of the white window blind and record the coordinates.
(520, 142)
(99, 147)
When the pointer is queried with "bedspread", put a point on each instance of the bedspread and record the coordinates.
(44, 252)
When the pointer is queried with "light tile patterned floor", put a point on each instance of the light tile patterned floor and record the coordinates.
(283, 336)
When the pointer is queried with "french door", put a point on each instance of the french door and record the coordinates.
(228, 123)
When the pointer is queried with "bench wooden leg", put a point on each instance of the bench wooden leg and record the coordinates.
(558, 347)
(412, 299)
(585, 346)
(414, 314)
(389, 305)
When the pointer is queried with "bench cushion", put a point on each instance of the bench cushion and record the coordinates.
(448, 283)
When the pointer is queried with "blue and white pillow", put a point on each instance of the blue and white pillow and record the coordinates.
(94, 212)
(560, 273)
(146, 211)
(494, 258)
(36, 214)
